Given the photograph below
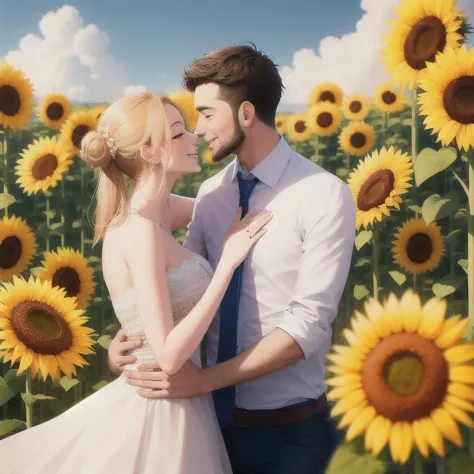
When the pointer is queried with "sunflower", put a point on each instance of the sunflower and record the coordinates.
(448, 102)
(280, 123)
(378, 183)
(388, 99)
(418, 247)
(327, 91)
(185, 101)
(17, 247)
(298, 128)
(16, 98)
(403, 379)
(79, 123)
(42, 165)
(54, 110)
(423, 29)
(357, 138)
(356, 107)
(69, 270)
(43, 328)
(207, 157)
(98, 111)
(324, 118)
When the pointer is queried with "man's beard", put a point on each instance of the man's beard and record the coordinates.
(226, 149)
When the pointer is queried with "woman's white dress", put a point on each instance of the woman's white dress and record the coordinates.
(115, 431)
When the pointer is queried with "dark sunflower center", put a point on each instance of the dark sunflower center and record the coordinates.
(327, 96)
(324, 119)
(458, 99)
(355, 106)
(9, 100)
(375, 190)
(10, 252)
(405, 377)
(419, 247)
(389, 97)
(41, 328)
(279, 123)
(404, 374)
(44, 166)
(78, 134)
(67, 278)
(55, 111)
(426, 38)
(358, 140)
(300, 126)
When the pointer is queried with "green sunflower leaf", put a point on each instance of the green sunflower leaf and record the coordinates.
(453, 236)
(349, 458)
(104, 341)
(360, 291)
(398, 277)
(100, 385)
(463, 263)
(67, 383)
(6, 200)
(7, 426)
(447, 285)
(430, 162)
(438, 207)
(362, 261)
(30, 399)
(362, 238)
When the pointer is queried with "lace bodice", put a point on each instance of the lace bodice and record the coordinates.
(186, 284)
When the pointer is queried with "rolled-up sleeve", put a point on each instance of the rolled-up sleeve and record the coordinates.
(328, 242)
(194, 238)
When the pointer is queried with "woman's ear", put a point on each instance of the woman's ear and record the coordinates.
(147, 154)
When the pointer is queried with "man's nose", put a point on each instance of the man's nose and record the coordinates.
(199, 130)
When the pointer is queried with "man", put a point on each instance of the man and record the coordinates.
(267, 345)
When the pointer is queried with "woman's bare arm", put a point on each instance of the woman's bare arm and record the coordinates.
(171, 345)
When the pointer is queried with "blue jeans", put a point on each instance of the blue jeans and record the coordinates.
(302, 447)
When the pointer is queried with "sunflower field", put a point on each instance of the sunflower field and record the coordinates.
(400, 372)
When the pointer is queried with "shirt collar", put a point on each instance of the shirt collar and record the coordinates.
(270, 169)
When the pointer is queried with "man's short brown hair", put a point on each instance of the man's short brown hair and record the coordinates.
(244, 74)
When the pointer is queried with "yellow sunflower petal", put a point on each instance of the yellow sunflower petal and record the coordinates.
(361, 423)
(447, 425)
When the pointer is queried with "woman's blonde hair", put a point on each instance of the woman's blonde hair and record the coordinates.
(114, 150)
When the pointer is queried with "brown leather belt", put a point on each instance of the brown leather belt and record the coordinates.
(281, 416)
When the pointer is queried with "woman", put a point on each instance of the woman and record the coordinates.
(162, 294)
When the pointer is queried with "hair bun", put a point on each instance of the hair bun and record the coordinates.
(94, 150)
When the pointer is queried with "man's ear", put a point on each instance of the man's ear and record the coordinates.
(246, 114)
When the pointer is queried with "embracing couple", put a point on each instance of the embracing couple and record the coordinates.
(257, 284)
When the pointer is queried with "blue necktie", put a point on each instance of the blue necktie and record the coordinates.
(224, 399)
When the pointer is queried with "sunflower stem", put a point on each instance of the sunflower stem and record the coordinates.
(48, 222)
(470, 253)
(5, 166)
(420, 463)
(414, 127)
(28, 406)
(376, 259)
(61, 207)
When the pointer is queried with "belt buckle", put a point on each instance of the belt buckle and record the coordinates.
(246, 416)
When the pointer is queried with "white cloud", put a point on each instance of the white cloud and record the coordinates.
(130, 90)
(70, 58)
(352, 61)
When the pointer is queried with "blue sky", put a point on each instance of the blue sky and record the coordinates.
(155, 37)
(152, 41)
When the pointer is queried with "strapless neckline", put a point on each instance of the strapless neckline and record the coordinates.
(169, 272)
